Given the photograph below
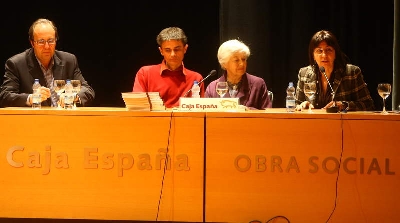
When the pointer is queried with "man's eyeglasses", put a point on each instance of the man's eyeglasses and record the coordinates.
(327, 51)
(42, 42)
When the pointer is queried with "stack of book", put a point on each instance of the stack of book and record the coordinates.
(156, 103)
(136, 101)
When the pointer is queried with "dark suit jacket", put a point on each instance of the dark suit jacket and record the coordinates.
(348, 85)
(22, 69)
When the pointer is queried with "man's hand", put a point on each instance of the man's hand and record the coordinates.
(44, 93)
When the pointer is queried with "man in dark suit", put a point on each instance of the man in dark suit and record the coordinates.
(45, 63)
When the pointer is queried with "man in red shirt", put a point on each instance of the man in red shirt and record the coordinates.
(170, 78)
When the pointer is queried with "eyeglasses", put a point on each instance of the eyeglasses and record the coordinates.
(43, 42)
(327, 51)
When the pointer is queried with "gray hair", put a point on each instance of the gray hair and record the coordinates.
(171, 33)
(228, 48)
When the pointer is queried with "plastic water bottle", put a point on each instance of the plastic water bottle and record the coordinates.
(196, 90)
(69, 95)
(36, 95)
(290, 98)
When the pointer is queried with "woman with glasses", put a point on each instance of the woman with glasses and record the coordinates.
(339, 84)
(42, 61)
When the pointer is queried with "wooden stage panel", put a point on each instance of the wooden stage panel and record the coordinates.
(104, 171)
(291, 168)
(369, 165)
(371, 192)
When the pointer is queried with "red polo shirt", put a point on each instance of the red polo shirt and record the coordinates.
(170, 84)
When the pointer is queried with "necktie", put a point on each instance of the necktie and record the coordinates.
(54, 96)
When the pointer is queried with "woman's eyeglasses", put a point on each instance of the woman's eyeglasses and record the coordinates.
(327, 51)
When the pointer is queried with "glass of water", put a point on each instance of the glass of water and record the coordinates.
(384, 90)
(76, 84)
(222, 88)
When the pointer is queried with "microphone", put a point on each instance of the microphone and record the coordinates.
(332, 109)
(212, 73)
(322, 69)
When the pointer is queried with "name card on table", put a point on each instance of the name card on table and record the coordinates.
(210, 104)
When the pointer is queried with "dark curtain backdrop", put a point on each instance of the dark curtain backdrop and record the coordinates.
(278, 33)
(113, 40)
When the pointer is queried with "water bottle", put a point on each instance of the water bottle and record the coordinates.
(290, 98)
(69, 95)
(196, 90)
(36, 95)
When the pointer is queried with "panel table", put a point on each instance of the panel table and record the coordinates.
(101, 163)
(304, 167)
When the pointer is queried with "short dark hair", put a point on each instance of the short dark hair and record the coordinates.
(171, 33)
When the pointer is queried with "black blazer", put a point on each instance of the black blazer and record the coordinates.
(22, 69)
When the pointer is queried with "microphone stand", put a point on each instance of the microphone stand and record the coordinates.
(212, 73)
(334, 108)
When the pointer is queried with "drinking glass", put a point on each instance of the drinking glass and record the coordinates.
(76, 87)
(222, 88)
(309, 90)
(384, 90)
(59, 88)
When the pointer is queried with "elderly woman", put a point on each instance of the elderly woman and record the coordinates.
(251, 90)
(338, 83)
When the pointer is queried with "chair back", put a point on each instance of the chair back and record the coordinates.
(271, 96)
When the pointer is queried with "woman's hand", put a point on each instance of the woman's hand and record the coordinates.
(304, 105)
(330, 104)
